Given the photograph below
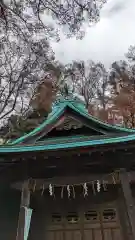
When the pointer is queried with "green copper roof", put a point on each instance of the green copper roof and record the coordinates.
(69, 145)
(77, 107)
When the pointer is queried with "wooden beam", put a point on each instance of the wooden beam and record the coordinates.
(128, 199)
(25, 201)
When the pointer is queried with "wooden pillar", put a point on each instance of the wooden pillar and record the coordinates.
(25, 201)
(123, 216)
(127, 194)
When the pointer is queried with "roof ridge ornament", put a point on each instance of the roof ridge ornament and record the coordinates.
(68, 95)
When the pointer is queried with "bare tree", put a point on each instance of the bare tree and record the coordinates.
(21, 70)
(71, 14)
(25, 55)
(131, 53)
(88, 80)
(122, 81)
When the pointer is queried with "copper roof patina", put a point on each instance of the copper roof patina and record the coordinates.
(120, 135)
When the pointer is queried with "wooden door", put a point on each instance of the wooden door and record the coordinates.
(83, 223)
(102, 224)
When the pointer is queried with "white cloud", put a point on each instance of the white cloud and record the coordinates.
(108, 41)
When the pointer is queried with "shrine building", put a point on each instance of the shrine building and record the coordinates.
(71, 178)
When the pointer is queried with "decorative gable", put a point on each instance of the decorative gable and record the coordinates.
(69, 122)
(70, 118)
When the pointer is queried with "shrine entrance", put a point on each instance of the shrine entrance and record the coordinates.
(99, 222)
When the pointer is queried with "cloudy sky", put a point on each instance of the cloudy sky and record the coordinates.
(107, 41)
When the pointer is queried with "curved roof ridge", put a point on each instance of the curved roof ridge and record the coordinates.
(84, 111)
(59, 109)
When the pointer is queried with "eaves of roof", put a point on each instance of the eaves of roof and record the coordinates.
(69, 145)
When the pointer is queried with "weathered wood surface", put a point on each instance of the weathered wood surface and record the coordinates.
(129, 203)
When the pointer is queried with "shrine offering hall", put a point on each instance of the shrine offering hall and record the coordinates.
(71, 178)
